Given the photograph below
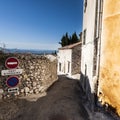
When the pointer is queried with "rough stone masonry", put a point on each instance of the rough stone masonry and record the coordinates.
(39, 72)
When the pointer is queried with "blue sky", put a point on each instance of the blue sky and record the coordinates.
(38, 24)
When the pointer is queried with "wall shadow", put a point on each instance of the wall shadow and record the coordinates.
(92, 101)
(91, 98)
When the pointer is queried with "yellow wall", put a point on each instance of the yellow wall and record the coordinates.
(109, 82)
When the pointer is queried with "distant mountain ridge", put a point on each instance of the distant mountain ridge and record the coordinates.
(33, 51)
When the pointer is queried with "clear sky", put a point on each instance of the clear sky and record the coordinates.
(38, 24)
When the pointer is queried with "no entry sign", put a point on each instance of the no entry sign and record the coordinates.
(12, 81)
(11, 63)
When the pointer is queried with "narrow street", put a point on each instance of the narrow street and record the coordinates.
(64, 101)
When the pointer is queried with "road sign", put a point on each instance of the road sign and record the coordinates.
(11, 72)
(12, 81)
(11, 63)
(11, 90)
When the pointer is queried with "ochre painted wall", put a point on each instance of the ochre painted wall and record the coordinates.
(109, 82)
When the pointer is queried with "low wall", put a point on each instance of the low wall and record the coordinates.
(39, 72)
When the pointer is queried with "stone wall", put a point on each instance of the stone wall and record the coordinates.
(39, 72)
(76, 59)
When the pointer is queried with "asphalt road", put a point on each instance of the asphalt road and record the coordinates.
(64, 101)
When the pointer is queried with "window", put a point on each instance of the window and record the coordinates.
(85, 5)
(68, 66)
(59, 66)
(97, 19)
(95, 57)
(84, 37)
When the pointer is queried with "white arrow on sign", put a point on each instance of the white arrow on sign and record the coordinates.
(11, 72)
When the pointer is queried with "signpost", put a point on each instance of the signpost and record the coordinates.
(11, 72)
(11, 63)
(12, 81)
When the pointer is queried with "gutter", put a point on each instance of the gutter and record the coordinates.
(99, 43)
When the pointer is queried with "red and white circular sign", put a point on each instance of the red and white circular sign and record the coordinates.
(11, 63)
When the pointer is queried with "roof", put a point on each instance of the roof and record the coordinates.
(70, 46)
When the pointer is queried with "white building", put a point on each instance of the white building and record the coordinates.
(69, 59)
(91, 39)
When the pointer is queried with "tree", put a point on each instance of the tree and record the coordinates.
(74, 38)
(67, 40)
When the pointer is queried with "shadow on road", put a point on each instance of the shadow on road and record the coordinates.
(63, 102)
(66, 99)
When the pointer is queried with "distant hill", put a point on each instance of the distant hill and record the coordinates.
(33, 51)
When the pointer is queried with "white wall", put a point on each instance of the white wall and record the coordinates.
(63, 57)
(88, 48)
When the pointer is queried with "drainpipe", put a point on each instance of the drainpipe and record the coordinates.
(97, 41)
(99, 47)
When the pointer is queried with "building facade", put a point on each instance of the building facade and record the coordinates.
(109, 80)
(100, 59)
(90, 40)
(69, 59)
